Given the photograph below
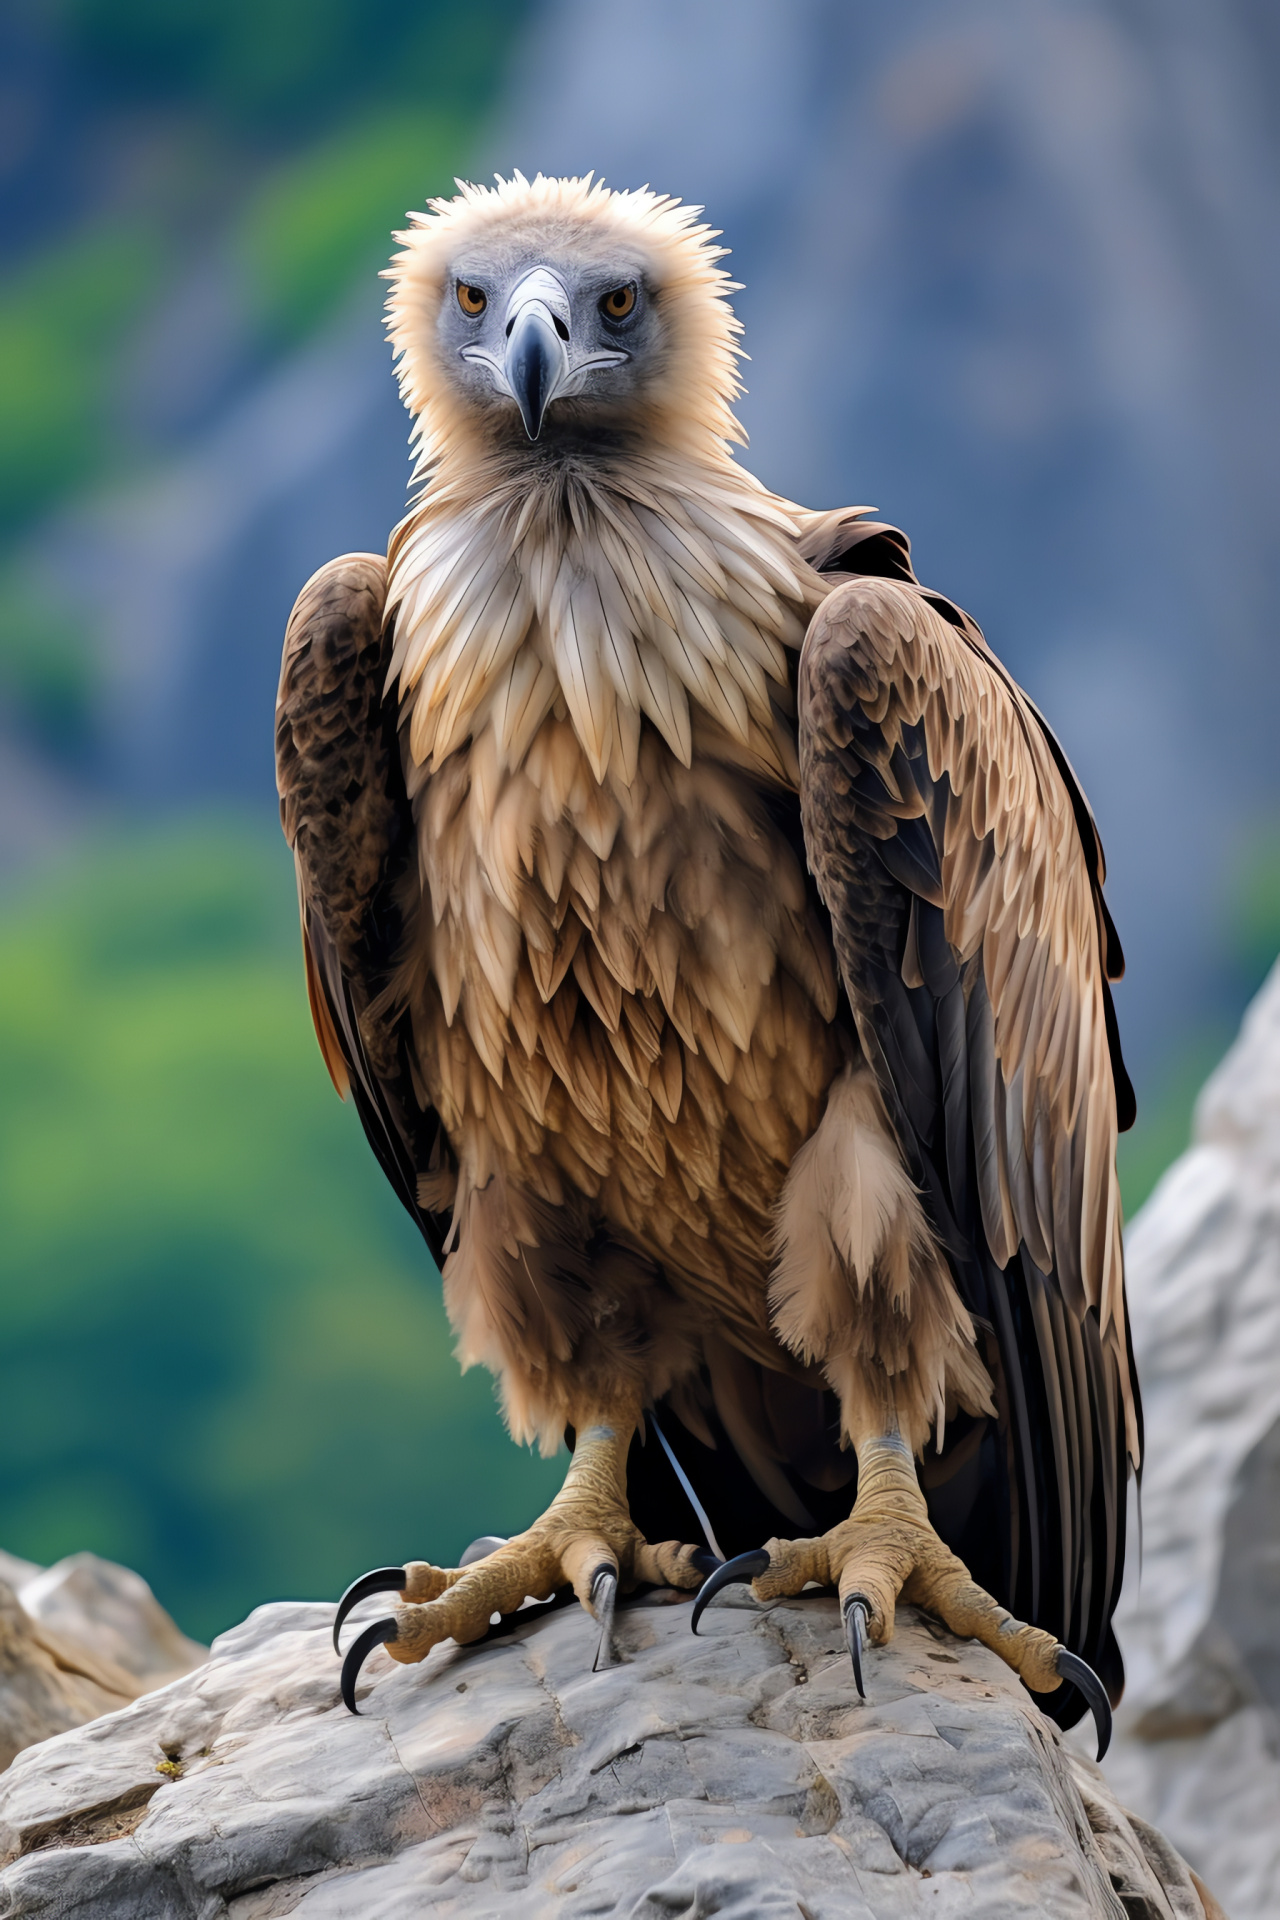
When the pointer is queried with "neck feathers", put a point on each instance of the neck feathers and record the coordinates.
(668, 590)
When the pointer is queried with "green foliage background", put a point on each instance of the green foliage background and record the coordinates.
(224, 1358)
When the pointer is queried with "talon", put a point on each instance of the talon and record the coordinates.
(743, 1567)
(1082, 1676)
(381, 1580)
(703, 1561)
(856, 1608)
(358, 1652)
(604, 1597)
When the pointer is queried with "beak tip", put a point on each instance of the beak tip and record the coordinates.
(536, 364)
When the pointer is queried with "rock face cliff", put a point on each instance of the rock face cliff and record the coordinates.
(1198, 1737)
(734, 1774)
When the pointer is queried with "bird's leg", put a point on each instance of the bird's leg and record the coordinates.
(586, 1539)
(886, 1548)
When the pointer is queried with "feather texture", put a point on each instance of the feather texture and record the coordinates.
(552, 776)
(963, 876)
(637, 599)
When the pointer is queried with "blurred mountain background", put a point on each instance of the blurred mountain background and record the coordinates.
(1011, 274)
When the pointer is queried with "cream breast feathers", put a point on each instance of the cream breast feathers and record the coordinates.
(624, 601)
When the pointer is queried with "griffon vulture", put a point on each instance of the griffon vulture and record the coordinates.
(709, 934)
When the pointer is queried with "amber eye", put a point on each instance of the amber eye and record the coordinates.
(618, 304)
(472, 300)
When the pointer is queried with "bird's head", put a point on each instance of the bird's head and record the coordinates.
(557, 313)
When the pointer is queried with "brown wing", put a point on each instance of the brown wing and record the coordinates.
(346, 816)
(963, 876)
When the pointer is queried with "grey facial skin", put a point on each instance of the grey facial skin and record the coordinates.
(544, 339)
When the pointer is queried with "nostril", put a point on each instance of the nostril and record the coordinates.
(560, 326)
(511, 322)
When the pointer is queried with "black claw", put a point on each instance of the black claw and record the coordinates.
(744, 1566)
(856, 1609)
(358, 1652)
(1082, 1676)
(703, 1561)
(604, 1597)
(381, 1580)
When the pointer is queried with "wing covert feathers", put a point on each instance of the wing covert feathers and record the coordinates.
(966, 904)
(346, 816)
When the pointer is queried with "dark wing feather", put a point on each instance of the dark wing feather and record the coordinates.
(963, 873)
(346, 816)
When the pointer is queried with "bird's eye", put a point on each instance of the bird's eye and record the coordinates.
(619, 303)
(472, 300)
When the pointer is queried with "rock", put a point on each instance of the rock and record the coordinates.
(78, 1640)
(113, 1612)
(46, 1685)
(1198, 1737)
(732, 1774)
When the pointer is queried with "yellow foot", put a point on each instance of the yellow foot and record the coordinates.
(586, 1539)
(886, 1548)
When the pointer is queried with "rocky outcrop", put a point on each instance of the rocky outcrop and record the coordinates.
(732, 1774)
(110, 1611)
(1198, 1746)
(77, 1640)
(48, 1684)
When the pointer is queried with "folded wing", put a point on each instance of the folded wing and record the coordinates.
(963, 874)
(346, 816)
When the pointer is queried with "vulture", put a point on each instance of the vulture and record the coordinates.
(710, 936)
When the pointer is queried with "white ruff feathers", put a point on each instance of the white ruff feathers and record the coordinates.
(622, 607)
(626, 590)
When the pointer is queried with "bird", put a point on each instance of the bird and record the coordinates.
(710, 935)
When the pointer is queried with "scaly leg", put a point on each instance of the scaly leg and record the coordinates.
(886, 1548)
(586, 1539)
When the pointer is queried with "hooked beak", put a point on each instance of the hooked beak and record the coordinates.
(536, 362)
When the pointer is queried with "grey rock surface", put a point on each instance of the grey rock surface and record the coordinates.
(733, 1774)
(77, 1640)
(1198, 1746)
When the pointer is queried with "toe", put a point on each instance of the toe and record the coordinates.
(942, 1584)
(583, 1558)
(423, 1581)
(464, 1610)
(670, 1564)
(871, 1577)
(792, 1565)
